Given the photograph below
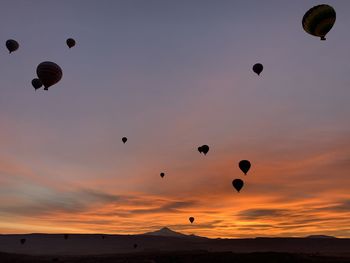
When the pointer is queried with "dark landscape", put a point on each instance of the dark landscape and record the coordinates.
(166, 245)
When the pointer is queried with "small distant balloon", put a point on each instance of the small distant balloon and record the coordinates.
(36, 83)
(70, 42)
(66, 236)
(203, 149)
(23, 240)
(191, 219)
(319, 20)
(162, 175)
(238, 184)
(124, 139)
(49, 73)
(258, 68)
(244, 165)
(12, 45)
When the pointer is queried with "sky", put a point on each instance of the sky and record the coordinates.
(171, 76)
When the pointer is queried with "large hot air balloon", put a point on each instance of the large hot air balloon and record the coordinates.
(258, 68)
(70, 42)
(49, 73)
(319, 20)
(124, 139)
(191, 219)
(12, 45)
(36, 84)
(244, 165)
(237, 184)
(203, 149)
(162, 175)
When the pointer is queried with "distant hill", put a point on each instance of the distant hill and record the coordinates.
(320, 236)
(166, 232)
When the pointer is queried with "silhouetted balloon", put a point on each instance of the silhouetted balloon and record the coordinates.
(49, 73)
(258, 68)
(124, 139)
(23, 240)
(66, 236)
(203, 149)
(237, 184)
(12, 45)
(244, 165)
(191, 219)
(70, 42)
(319, 20)
(162, 175)
(36, 84)
(135, 245)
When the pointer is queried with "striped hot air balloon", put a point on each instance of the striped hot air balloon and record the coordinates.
(319, 20)
(49, 73)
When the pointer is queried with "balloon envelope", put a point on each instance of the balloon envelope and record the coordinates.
(124, 139)
(70, 42)
(12, 45)
(319, 20)
(191, 219)
(244, 165)
(203, 149)
(162, 175)
(36, 83)
(238, 184)
(258, 68)
(49, 73)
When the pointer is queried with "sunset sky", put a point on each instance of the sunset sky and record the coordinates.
(171, 76)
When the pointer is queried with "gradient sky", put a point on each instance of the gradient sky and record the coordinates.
(171, 76)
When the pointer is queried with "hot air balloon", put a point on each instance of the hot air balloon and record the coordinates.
(319, 20)
(66, 236)
(36, 84)
(70, 42)
(191, 219)
(124, 139)
(49, 73)
(244, 165)
(258, 68)
(23, 240)
(12, 45)
(135, 245)
(162, 175)
(203, 149)
(237, 184)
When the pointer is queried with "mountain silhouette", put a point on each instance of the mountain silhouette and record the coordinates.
(167, 232)
(320, 236)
